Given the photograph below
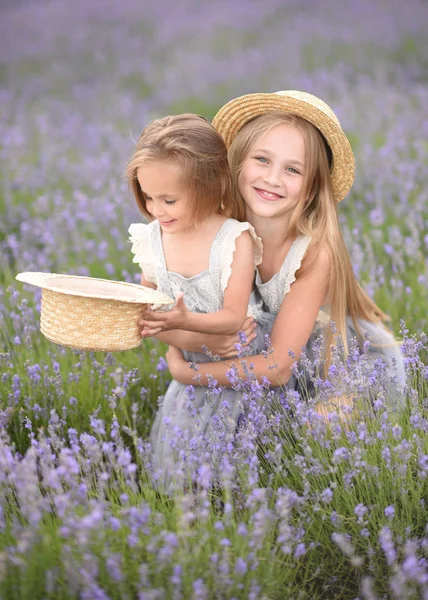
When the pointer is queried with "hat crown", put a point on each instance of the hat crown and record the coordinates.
(313, 101)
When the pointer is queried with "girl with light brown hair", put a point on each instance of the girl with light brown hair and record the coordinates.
(191, 250)
(291, 165)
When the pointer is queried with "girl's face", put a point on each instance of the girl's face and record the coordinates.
(272, 174)
(167, 199)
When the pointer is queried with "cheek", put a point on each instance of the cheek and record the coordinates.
(244, 180)
(298, 188)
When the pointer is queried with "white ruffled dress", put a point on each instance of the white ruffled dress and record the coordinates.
(203, 413)
(382, 344)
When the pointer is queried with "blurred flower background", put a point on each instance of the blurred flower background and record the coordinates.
(299, 513)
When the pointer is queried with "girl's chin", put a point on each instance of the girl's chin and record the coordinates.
(268, 212)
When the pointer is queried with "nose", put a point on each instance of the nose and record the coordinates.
(156, 213)
(157, 209)
(273, 176)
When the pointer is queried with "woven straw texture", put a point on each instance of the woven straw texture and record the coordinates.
(236, 113)
(87, 313)
(90, 323)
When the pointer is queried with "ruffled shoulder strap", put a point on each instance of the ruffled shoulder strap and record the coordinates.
(228, 247)
(140, 236)
(293, 262)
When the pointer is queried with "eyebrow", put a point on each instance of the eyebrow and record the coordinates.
(291, 162)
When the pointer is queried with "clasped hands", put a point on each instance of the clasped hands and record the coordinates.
(154, 322)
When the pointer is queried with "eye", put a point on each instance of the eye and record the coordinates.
(170, 202)
(147, 198)
(261, 159)
(292, 170)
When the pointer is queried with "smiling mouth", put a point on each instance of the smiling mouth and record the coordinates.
(167, 222)
(268, 195)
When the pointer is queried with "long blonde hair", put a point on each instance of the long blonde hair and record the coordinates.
(315, 215)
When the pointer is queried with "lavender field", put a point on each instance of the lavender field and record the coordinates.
(302, 509)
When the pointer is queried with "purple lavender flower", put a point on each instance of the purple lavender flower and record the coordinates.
(327, 495)
(162, 365)
(389, 512)
(299, 551)
(360, 510)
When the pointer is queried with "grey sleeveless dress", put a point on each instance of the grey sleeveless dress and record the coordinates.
(198, 417)
(381, 343)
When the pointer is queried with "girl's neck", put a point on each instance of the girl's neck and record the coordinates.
(270, 230)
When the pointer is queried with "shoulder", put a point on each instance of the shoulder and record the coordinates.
(244, 241)
(240, 246)
(317, 259)
(304, 260)
(321, 255)
(245, 236)
(236, 239)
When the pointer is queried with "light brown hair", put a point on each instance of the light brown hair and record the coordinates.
(315, 215)
(190, 142)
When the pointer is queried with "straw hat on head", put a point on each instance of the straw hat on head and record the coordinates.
(235, 114)
(93, 314)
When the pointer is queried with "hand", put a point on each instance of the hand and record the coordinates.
(154, 321)
(344, 406)
(176, 362)
(224, 345)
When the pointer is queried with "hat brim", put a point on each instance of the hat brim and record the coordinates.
(92, 287)
(235, 114)
(92, 314)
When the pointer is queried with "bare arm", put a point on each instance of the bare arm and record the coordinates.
(236, 297)
(194, 342)
(291, 331)
(146, 283)
(218, 345)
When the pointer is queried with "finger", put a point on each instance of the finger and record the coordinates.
(251, 337)
(249, 321)
(154, 314)
(149, 334)
(179, 301)
(154, 318)
(230, 352)
(145, 323)
(250, 328)
(150, 315)
(150, 331)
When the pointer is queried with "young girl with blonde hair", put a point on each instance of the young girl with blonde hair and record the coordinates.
(191, 250)
(291, 165)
